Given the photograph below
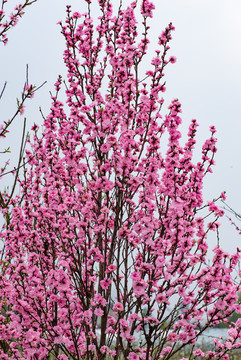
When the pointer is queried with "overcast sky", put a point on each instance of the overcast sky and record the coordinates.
(206, 78)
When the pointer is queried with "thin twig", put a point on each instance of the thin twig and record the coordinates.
(4, 87)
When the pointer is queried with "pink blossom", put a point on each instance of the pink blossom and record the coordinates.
(223, 195)
(105, 148)
(100, 300)
(118, 306)
(213, 129)
(112, 352)
(198, 352)
(105, 283)
(110, 268)
(166, 350)
(156, 61)
(76, 15)
(173, 59)
(103, 349)
(232, 333)
(111, 139)
(135, 276)
(22, 109)
(146, 8)
(99, 312)
(133, 356)
(139, 287)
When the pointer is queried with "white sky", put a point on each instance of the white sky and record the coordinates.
(206, 78)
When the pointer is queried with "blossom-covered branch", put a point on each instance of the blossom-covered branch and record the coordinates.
(9, 21)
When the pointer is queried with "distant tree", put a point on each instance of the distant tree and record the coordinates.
(109, 229)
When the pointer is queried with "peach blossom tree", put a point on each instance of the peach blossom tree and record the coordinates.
(106, 251)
